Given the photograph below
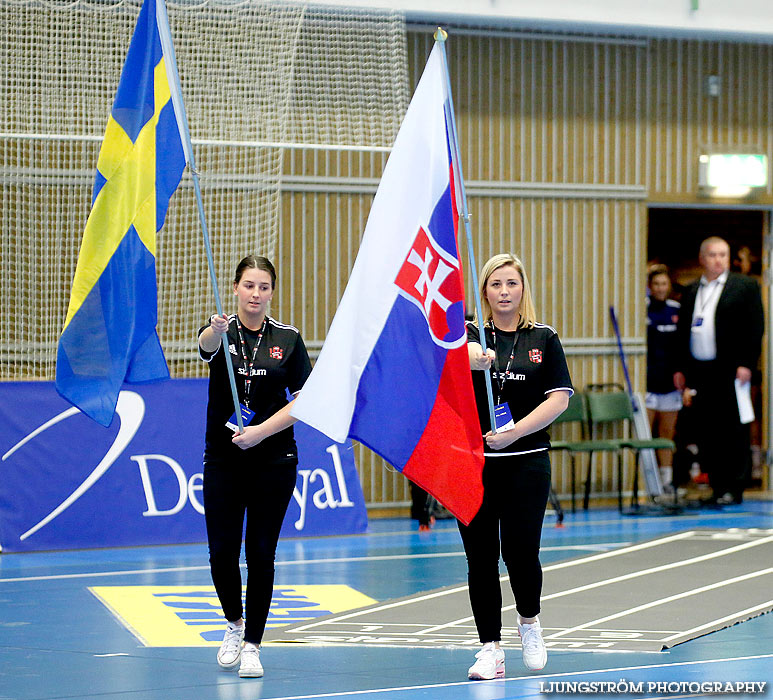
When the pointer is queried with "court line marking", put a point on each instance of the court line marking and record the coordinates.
(624, 545)
(721, 619)
(456, 589)
(531, 677)
(615, 552)
(291, 562)
(466, 631)
(616, 579)
(699, 515)
(657, 569)
(661, 601)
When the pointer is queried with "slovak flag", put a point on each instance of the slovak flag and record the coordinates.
(394, 372)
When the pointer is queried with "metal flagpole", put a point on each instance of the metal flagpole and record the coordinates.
(162, 20)
(440, 38)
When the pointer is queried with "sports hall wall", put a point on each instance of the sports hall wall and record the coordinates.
(565, 141)
(565, 138)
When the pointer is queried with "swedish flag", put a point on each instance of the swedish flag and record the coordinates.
(109, 334)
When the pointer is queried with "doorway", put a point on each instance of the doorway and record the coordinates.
(674, 238)
(675, 235)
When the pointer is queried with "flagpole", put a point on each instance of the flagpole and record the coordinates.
(440, 38)
(162, 19)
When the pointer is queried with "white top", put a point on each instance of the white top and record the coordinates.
(703, 332)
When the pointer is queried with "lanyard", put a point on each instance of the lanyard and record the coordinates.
(249, 363)
(706, 301)
(502, 376)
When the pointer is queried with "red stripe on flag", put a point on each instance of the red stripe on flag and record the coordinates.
(448, 459)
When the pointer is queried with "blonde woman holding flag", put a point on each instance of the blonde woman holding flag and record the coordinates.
(531, 388)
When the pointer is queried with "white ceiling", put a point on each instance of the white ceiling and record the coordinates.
(740, 20)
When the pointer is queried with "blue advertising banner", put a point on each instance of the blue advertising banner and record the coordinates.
(66, 482)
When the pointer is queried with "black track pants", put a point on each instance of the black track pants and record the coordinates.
(515, 496)
(262, 492)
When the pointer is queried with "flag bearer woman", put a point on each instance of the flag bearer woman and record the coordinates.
(530, 376)
(250, 473)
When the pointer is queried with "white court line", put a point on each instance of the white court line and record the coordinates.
(727, 618)
(616, 579)
(57, 577)
(531, 677)
(656, 569)
(616, 552)
(661, 601)
(293, 562)
(589, 524)
(333, 560)
(456, 589)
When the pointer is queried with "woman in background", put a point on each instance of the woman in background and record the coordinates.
(663, 400)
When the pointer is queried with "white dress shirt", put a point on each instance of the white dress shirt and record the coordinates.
(703, 332)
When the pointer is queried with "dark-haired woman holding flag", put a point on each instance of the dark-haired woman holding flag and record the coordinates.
(252, 472)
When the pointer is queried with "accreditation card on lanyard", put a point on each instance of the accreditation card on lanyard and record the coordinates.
(697, 321)
(247, 415)
(503, 418)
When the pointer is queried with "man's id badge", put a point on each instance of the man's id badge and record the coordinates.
(697, 321)
(247, 415)
(503, 418)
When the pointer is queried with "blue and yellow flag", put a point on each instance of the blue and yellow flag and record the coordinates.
(109, 335)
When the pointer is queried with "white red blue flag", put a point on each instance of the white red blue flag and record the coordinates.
(394, 372)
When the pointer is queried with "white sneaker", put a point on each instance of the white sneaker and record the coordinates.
(251, 666)
(535, 655)
(490, 664)
(231, 649)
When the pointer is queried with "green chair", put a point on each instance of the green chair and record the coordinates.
(589, 446)
(576, 412)
(607, 407)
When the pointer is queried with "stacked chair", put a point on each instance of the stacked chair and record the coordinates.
(599, 405)
(576, 412)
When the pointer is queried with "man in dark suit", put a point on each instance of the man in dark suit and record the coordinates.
(719, 339)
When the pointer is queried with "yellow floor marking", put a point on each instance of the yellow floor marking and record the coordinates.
(188, 616)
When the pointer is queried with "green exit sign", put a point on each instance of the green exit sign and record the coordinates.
(728, 172)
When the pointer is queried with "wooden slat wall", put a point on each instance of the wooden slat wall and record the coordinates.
(564, 143)
(681, 120)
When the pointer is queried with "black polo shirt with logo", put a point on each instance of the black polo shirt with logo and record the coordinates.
(538, 368)
(281, 364)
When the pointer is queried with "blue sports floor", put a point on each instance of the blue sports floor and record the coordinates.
(63, 636)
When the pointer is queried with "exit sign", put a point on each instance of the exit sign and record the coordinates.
(733, 173)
